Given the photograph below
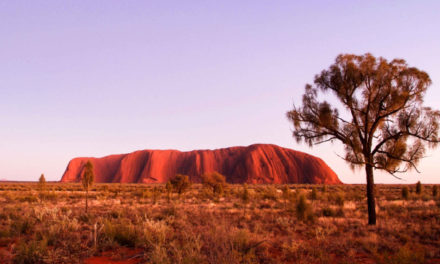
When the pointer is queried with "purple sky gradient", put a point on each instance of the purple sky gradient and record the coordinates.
(92, 78)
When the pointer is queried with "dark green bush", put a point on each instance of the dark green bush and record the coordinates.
(122, 232)
(244, 195)
(301, 207)
(180, 183)
(405, 192)
(215, 182)
(418, 187)
(313, 194)
(269, 193)
(30, 253)
(328, 212)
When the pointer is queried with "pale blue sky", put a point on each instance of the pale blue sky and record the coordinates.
(92, 78)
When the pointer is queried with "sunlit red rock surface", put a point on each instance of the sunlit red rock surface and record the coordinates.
(259, 163)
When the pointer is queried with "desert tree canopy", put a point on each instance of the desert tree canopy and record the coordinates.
(380, 117)
(88, 177)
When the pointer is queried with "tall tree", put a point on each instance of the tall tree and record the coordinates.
(41, 182)
(379, 117)
(41, 186)
(87, 180)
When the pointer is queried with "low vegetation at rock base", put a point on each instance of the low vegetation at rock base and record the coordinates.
(138, 223)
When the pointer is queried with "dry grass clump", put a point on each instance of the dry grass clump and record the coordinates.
(241, 224)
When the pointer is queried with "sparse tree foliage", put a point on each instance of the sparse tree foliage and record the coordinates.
(381, 119)
(87, 179)
(215, 181)
(180, 183)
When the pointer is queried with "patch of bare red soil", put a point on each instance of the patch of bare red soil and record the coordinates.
(5, 255)
(119, 256)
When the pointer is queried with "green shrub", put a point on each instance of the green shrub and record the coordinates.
(313, 194)
(30, 253)
(408, 254)
(215, 182)
(156, 194)
(405, 192)
(337, 198)
(244, 196)
(30, 198)
(122, 232)
(340, 199)
(328, 212)
(302, 207)
(269, 193)
(418, 187)
(4, 233)
(180, 183)
(23, 226)
(50, 196)
(286, 192)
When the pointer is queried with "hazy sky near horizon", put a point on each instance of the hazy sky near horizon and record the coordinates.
(92, 78)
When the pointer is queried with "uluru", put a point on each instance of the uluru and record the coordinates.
(254, 164)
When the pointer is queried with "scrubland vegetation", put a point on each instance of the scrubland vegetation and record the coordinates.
(136, 223)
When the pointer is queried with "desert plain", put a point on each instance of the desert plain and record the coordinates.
(145, 223)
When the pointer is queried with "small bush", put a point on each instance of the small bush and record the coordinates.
(313, 194)
(214, 181)
(122, 232)
(408, 254)
(23, 226)
(434, 191)
(244, 196)
(28, 198)
(156, 194)
(269, 193)
(405, 192)
(180, 183)
(418, 187)
(286, 192)
(302, 207)
(328, 212)
(337, 198)
(340, 199)
(30, 253)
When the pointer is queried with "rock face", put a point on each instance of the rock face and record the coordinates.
(259, 163)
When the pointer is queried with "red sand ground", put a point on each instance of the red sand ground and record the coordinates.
(5, 255)
(259, 163)
(119, 256)
(108, 260)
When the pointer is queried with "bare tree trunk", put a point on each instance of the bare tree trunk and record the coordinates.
(370, 195)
